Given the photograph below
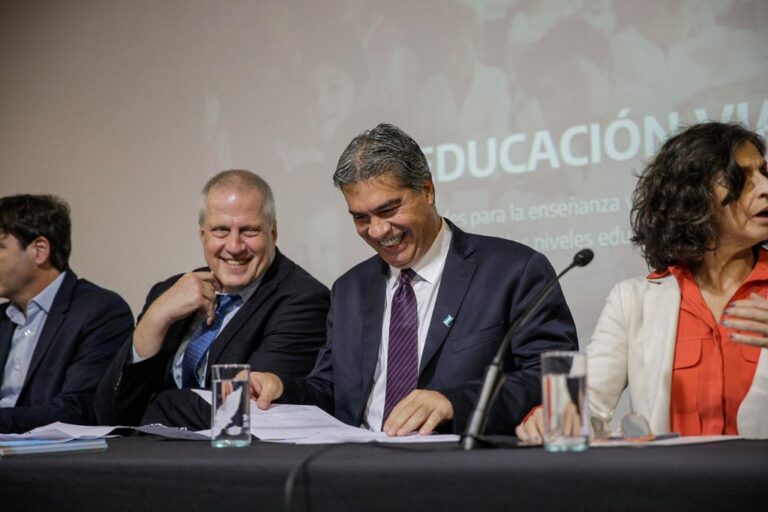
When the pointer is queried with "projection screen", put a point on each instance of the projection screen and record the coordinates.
(535, 116)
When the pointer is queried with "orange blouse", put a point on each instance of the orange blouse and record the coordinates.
(710, 375)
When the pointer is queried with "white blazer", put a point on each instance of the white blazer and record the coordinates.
(634, 345)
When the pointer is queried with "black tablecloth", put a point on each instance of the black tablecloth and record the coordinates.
(147, 473)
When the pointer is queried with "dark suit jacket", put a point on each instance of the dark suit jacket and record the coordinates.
(486, 284)
(82, 332)
(281, 327)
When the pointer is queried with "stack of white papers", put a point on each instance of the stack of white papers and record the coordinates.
(307, 424)
(61, 432)
(666, 441)
(56, 437)
(281, 423)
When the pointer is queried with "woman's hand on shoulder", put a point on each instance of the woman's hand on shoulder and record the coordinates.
(751, 316)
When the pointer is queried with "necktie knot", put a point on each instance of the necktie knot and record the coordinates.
(406, 276)
(225, 302)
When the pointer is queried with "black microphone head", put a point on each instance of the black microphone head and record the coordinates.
(583, 257)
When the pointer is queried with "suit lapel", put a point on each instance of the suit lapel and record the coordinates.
(457, 274)
(373, 316)
(660, 307)
(53, 322)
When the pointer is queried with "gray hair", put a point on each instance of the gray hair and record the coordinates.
(241, 181)
(384, 150)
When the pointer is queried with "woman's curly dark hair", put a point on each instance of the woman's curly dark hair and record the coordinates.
(673, 206)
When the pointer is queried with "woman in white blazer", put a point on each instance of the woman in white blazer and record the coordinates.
(700, 217)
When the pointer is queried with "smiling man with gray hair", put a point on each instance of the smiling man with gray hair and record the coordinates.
(412, 329)
(251, 304)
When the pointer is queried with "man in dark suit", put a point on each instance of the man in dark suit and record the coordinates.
(58, 333)
(250, 305)
(412, 329)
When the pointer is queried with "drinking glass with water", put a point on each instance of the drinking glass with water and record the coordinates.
(564, 389)
(230, 411)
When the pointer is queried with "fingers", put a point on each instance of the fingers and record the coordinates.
(406, 421)
(754, 307)
(207, 285)
(746, 313)
(226, 389)
(209, 309)
(399, 416)
(210, 285)
(194, 291)
(757, 341)
(422, 410)
(265, 388)
(749, 315)
(528, 433)
(571, 420)
(204, 275)
(433, 420)
(209, 277)
(531, 430)
(754, 326)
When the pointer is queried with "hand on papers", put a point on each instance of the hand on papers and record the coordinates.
(749, 315)
(265, 388)
(194, 291)
(422, 410)
(308, 424)
(532, 428)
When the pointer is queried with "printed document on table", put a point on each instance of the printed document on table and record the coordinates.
(307, 424)
(62, 432)
(157, 429)
(59, 431)
(674, 441)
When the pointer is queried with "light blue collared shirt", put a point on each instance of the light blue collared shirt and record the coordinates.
(24, 340)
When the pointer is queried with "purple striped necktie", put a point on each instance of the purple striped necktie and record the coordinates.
(403, 350)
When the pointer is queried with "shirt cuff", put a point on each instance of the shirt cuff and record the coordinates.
(530, 413)
(136, 358)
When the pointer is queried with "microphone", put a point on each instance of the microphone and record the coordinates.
(493, 374)
(581, 259)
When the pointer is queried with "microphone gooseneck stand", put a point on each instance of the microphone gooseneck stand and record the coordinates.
(494, 373)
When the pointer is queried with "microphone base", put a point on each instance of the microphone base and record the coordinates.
(485, 442)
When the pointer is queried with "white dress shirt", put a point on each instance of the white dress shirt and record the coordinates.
(426, 283)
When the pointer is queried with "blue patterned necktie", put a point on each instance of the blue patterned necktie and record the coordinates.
(403, 350)
(203, 338)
